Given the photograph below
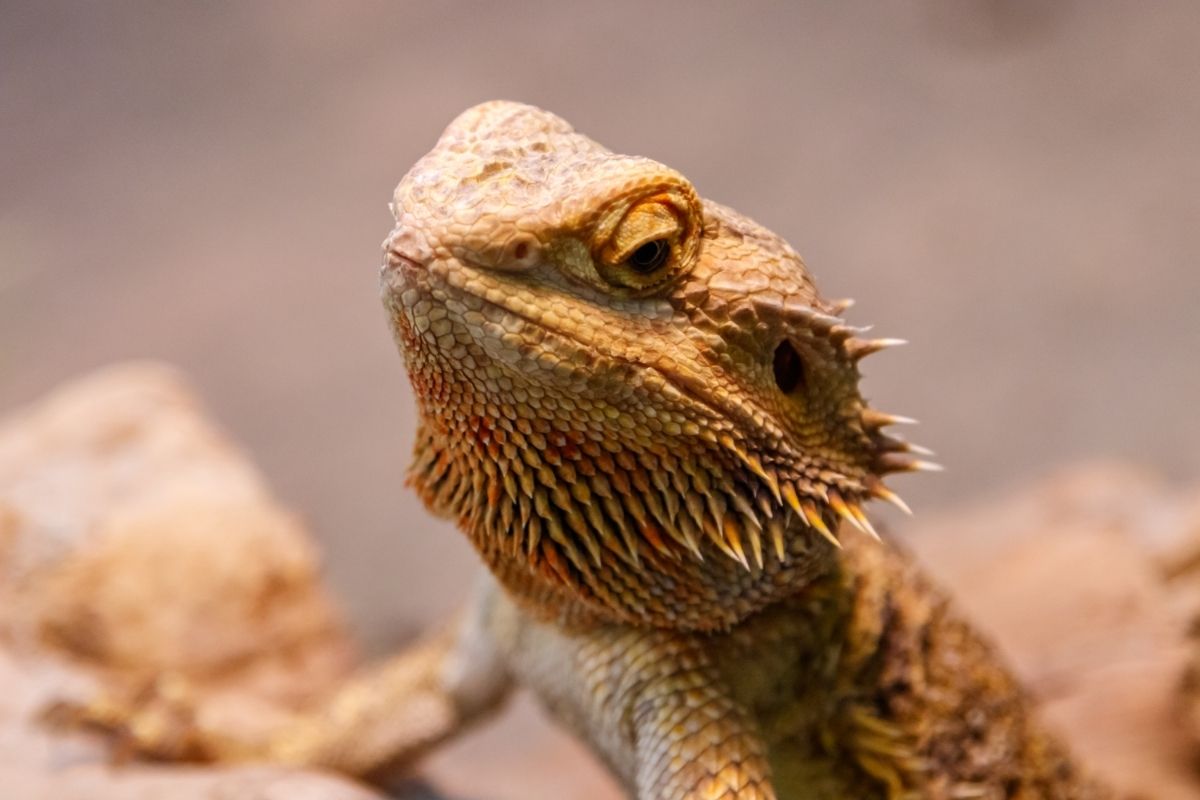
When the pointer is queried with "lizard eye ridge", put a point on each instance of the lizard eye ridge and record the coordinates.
(647, 242)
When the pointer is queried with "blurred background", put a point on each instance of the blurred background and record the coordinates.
(1013, 186)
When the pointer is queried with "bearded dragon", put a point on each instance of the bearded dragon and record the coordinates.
(642, 414)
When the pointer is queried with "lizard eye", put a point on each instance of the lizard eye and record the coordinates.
(650, 243)
(650, 256)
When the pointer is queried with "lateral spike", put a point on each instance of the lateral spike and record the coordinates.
(776, 528)
(754, 533)
(672, 501)
(652, 534)
(533, 535)
(799, 312)
(694, 504)
(700, 479)
(896, 444)
(840, 333)
(628, 552)
(733, 536)
(716, 507)
(881, 492)
(858, 349)
(752, 462)
(793, 500)
(655, 506)
(839, 506)
(842, 305)
(557, 567)
(767, 507)
(822, 321)
(688, 530)
(881, 419)
(560, 538)
(524, 511)
(894, 462)
(577, 526)
(506, 516)
(677, 535)
(646, 527)
(438, 466)
(526, 479)
(615, 511)
(813, 517)
(717, 537)
(742, 504)
(864, 521)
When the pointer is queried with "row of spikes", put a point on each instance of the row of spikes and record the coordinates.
(618, 512)
(891, 448)
(892, 452)
(889, 458)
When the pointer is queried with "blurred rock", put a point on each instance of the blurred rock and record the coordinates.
(136, 541)
(1071, 577)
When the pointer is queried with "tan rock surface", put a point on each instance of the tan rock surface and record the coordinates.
(135, 540)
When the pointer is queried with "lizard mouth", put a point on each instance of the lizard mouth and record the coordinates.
(395, 261)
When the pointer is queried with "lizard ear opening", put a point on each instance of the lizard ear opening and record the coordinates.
(789, 368)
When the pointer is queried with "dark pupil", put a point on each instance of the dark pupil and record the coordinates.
(649, 256)
(789, 368)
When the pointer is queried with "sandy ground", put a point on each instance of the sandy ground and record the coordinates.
(1013, 186)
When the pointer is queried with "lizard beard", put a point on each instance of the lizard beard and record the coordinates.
(682, 534)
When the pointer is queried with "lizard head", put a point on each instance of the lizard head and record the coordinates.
(630, 396)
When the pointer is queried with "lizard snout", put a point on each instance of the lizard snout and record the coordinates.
(403, 250)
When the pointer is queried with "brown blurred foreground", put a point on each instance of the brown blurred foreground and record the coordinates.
(136, 541)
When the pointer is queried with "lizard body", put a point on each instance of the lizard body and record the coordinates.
(645, 418)
(638, 408)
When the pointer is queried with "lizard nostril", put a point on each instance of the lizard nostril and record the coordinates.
(789, 368)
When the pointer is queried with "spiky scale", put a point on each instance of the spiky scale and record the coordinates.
(874, 420)
(817, 523)
(843, 510)
(733, 539)
(864, 522)
(776, 528)
(878, 490)
(858, 349)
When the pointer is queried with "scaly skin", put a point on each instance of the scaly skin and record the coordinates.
(647, 421)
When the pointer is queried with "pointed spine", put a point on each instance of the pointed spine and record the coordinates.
(858, 349)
